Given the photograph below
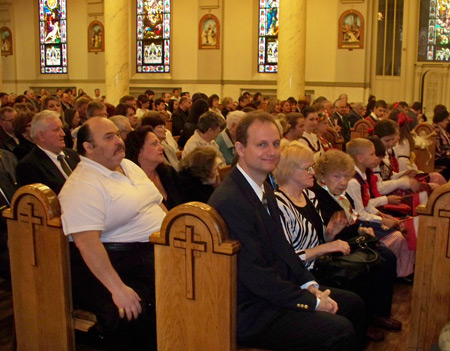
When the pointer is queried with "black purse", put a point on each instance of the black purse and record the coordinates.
(339, 270)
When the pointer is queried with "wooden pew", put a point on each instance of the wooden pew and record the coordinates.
(334, 139)
(425, 156)
(195, 272)
(431, 291)
(360, 129)
(40, 273)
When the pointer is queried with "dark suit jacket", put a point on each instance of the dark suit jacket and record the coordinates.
(37, 167)
(269, 272)
(342, 121)
(6, 142)
(179, 118)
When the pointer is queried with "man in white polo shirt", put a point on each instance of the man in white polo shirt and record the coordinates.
(109, 208)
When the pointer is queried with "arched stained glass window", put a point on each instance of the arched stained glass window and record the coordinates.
(268, 36)
(153, 36)
(53, 36)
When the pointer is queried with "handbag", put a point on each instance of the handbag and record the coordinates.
(335, 269)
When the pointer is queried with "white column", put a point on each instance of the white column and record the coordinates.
(117, 71)
(291, 49)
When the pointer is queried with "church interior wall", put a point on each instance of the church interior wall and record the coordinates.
(227, 71)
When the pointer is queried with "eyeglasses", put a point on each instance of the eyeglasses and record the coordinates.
(309, 169)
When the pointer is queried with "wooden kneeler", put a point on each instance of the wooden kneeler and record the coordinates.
(40, 273)
(196, 279)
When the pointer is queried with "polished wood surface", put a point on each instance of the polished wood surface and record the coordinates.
(195, 274)
(39, 258)
(431, 293)
(425, 155)
(360, 129)
(40, 273)
(334, 139)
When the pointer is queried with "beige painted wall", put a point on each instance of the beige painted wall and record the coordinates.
(227, 71)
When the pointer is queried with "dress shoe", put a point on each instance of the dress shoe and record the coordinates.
(374, 334)
(388, 323)
(409, 280)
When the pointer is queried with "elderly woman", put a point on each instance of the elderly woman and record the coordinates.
(143, 148)
(199, 174)
(310, 237)
(22, 125)
(333, 172)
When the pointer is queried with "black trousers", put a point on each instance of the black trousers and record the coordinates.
(294, 330)
(135, 266)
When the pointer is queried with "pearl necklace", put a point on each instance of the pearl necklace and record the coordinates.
(299, 200)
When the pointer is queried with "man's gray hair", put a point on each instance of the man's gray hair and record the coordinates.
(234, 117)
(38, 123)
(120, 121)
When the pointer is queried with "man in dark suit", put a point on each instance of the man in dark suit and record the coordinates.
(49, 162)
(279, 303)
(179, 117)
(341, 120)
(7, 138)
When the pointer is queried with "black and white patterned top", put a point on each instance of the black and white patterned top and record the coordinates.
(303, 226)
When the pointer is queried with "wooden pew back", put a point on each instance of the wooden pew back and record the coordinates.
(431, 291)
(334, 139)
(195, 278)
(40, 273)
(425, 155)
(360, 129)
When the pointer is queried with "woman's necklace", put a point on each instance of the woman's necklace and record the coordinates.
(300, 199)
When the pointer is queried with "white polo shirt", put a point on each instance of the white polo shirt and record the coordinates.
(124, 208)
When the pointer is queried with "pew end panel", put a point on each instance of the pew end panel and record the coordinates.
(425, 148)
(195, 274)
(360, 129)
(39, 256)
(431, 291)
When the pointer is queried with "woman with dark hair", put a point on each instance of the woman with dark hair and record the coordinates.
(21, 125)
(441, 121)
(173, 105)
(213, 102)
(72, 118)
(155, 120)
(127, 111)
(293, 126)
(142, 146)
(143, 104)
(53, 103)
(199, 107)
(199, 174)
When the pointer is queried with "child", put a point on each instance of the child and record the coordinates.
(403, 151)
(366, 203)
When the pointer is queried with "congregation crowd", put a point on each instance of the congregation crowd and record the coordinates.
(290, 197)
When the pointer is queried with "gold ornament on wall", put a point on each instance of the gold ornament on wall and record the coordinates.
(7, 43)
(209, 32)
(351, 30)
(96, 37)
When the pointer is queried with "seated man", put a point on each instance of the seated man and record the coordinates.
(209, 126)
(8, 140)
(109, 208)
(50, 162)
(280, 306)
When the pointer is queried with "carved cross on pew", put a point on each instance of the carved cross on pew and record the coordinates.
(31, 220)
(192, 248)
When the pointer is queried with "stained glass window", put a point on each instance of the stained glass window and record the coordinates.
(434, 32)
(268, 36)
(153, 36)
(53, 36)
